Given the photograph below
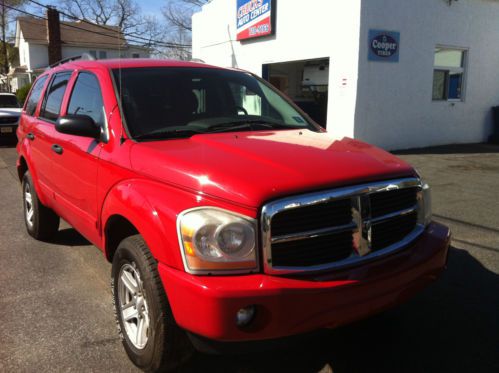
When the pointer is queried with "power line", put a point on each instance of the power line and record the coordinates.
(79, 42)
(159, 43)
(104, 27)
(64, 24)
(108, 29)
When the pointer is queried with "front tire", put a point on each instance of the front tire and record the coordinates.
(41, 222)
(150, 336)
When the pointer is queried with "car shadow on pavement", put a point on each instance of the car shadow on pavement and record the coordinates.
(480, 148)
(8, 143)
(69, 237)
(453, 326)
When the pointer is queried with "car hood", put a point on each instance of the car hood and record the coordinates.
(250, 168)
(9, 112)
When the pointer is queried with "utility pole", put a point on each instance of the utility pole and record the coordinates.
(5, 62)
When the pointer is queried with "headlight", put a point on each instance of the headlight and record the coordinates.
(215, 240)
(425, 204)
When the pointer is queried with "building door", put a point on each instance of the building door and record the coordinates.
(306, 82)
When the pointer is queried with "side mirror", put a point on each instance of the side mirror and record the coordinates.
(78, 125)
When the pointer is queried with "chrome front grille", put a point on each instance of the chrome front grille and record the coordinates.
(340, 227)
(9, 120)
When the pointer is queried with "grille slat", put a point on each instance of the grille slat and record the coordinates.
(389, 232)
(383, 203)
(331, 247)
(8, 120)
(312, 217)
(313, 251)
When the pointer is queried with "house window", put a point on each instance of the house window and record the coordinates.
(93, 54)
(135, 55)
(102, 55)
(448, 74)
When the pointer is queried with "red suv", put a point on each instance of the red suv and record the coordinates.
(227, 214)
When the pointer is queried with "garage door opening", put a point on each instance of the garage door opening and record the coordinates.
(305, 82)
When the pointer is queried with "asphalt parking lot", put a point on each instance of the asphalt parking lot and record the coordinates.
(56, 313)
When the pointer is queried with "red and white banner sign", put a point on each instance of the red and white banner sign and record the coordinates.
(254, 19)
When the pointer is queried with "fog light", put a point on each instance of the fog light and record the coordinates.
(245, 316)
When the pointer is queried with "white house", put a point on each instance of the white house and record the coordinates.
(395, 73)
(69, 39)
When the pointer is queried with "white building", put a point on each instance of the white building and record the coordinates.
(395, 73)
(75, 38)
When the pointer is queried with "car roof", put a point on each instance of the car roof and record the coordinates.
(128, 63)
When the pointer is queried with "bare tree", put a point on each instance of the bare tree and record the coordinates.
(177, 14)
(123, 13)
(6, 51)
(140, 29)
(126, 14)
(149, 28)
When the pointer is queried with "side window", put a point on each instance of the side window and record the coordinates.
(35, 95)
(86, 98)
(53, 98)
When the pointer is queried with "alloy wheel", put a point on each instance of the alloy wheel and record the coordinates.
(28, 205)
(133, 305)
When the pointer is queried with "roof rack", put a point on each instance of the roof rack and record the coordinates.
(83, 57)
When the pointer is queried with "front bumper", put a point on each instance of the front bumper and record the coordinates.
(207, 305)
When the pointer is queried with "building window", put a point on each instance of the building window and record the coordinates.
(135, 55)
(448, 74)
(93, 54)
(102, 55)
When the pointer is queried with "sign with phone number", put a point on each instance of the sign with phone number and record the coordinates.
(254, 19)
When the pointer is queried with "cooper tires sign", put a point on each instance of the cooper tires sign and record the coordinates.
(384, 46)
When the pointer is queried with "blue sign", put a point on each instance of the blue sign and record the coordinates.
(384, 46)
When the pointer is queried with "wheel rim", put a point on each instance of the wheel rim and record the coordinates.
(28, 205)
(133, 306)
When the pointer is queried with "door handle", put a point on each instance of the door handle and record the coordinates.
(57, 148)
(30, 136)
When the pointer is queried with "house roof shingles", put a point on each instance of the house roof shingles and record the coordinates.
(73, 33)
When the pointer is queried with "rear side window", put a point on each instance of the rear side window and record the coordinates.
(53, 98)
(86, 98)
(34, 97)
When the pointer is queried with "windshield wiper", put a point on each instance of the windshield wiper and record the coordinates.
(252, 124)
(168, 134)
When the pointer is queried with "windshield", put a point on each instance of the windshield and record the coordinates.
(170, 102)
(8, 101)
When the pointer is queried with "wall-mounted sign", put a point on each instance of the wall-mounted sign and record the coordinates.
(254, 18)
(384, 46)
